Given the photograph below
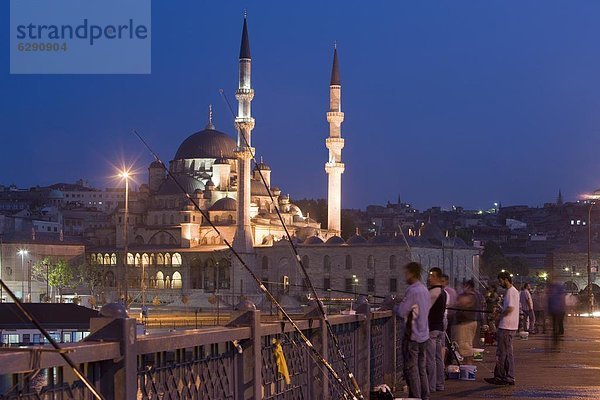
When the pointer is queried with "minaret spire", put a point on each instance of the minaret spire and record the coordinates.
(244, 122)
(334, 143)
(210, 115)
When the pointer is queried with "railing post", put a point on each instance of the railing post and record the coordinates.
(325, 352)
(118, 378)
(249, 366)
(363, 347)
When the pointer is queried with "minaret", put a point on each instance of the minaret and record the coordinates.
(334, 167)
(242, 241)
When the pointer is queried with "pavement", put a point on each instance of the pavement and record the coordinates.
(571, 372)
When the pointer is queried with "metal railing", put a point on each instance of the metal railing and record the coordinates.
(232, 362)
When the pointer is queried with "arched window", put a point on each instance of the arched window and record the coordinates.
(223, 277)
(93, 259)
(204, 240)
(139, 239)
(216, 219)
(167, 259)
(230, 219)
(370, 262)
(107, 259)
(168, 282)
(265, 263)
(176, 260)
(393, 263)
(113, 259)
(327, 264)
(348, 261)
(109, 279)
(160, 280)
(100, 259)
(130, 259)
(160, 260)
(145, 259)
(138, 259)
(306, 261)
(176, 283)
(152, 259)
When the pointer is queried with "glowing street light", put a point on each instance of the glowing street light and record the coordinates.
(126, 174)
(22, 253)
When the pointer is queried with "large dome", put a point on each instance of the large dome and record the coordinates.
(208, 143)
(170, 187)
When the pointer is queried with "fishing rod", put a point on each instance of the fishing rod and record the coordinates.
(266, 292)
(327, 289)
(320, 306)
(60, 351)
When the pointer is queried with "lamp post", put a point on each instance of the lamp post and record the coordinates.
(125, 175)
(589, 260)
(22, 253)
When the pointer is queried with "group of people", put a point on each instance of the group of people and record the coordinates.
(437, 313)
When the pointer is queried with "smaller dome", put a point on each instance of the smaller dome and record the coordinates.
(335, 240)
(221, 161)
(379, 239)
(189, 184)
(257, 188)
(295, 210)
(155, 164)
(356, 239)
(313, 240)
(210, 184)
(55, 194)
(224, 204)
(262, 166)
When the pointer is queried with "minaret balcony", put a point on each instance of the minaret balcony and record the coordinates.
(334, 167)
(334, 143)
(336, 117)
(243, 94)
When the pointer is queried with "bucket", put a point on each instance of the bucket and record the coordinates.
(467, 372)
(478, 354)
(453, 371)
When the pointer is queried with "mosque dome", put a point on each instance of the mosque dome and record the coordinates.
(257, 188)
(155, 164)
(208, 143)
(335, 240)
(313, 240)
(356, 239)
(189, 184)
(224, 204)
(262, 166)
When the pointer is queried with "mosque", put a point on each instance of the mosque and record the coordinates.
(173, 251)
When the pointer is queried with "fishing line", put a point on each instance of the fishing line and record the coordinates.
(65, 357)
(297, 256)
(262, 287)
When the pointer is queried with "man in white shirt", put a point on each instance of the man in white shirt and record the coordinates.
(504, 373)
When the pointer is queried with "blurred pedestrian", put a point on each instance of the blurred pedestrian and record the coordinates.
(556, 309)
(504, 373)
(526, 303)
(414, 308)
(466, 320)
(449, 318)
(435, 363)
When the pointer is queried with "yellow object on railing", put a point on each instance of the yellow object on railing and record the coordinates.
(280, 361)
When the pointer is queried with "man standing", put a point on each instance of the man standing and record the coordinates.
(435, 361)
(414, 308)
(527, 308)
(504, 373)
(449, 318)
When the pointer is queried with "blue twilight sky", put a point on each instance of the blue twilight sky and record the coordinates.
(447, 103)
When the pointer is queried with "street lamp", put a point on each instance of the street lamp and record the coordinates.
(590, 293)
(125, 174)
(22, 253)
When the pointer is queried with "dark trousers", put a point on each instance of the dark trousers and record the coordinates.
(415, 371)
(505, 360)
(558, 327)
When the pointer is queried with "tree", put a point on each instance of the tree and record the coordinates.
(90, 276)
(56, 273)
(493, 259)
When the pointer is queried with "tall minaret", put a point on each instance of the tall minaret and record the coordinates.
(242, 241)
(334, 167)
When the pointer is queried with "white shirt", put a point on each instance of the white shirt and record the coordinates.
(511, 320)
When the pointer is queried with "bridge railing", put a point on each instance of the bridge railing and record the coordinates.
(232, 362)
